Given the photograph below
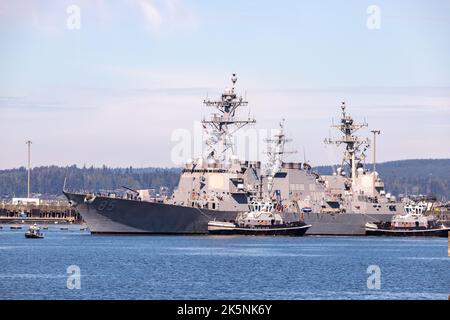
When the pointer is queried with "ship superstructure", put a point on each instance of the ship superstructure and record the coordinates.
(359, 189)
(221, 181)
(294, 185)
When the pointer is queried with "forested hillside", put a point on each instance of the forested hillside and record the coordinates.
(49, 181)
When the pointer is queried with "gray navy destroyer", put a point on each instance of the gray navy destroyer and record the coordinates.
(220, 187)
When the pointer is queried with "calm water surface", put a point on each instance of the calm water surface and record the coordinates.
(201, 267)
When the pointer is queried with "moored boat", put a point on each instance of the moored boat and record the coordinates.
(34, 232)
(262, 220)
(411, 224)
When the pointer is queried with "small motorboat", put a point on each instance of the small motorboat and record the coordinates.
(15, 227)
(34, 232)
(262, 220)
(413, 223)
(64, 228)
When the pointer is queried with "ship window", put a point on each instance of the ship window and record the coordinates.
(280, 175)
(213, 205)
(240, 198)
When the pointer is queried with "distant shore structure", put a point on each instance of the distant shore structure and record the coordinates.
(29, 167)
(375, 133)
(28, 199)
(22, 210)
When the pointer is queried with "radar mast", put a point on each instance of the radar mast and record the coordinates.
(275, 153)
(354, 155)
(223, 123)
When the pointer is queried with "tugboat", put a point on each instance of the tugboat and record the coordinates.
(34, 232)
(411, 224)
(261, 219)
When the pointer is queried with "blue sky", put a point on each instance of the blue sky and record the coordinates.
(114, 91)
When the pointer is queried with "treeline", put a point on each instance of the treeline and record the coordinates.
(49, 181)
(418, 177)
(426, 177)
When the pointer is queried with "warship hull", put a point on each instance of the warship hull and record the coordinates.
(105, 215)
(342, 224)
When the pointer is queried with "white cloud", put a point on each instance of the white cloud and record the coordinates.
(152, 15)
(167, 15)
(50, 17)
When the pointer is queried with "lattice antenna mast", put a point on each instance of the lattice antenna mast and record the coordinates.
(275, 153)
(354, 144)
(222, 125)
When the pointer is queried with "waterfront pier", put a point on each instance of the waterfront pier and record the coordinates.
(47, 211)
